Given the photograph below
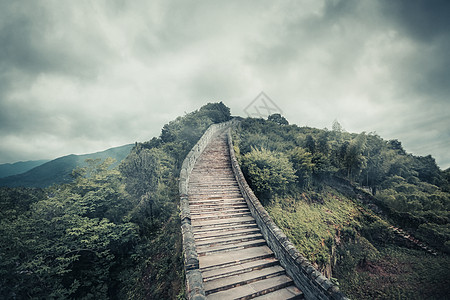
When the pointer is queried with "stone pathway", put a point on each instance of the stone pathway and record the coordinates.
(234, 258)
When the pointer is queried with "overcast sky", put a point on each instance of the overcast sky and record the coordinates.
(84, 76)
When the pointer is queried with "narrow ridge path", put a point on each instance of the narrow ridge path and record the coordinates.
(235, 261)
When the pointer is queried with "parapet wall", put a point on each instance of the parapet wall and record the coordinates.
(312, 283)
(194, 280)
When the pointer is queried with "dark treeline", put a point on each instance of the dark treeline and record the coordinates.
(305, 178)
(112, 233)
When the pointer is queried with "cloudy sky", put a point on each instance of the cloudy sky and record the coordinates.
(83, 76)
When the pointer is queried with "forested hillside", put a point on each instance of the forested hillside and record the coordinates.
(337, 194)
(59, 170)
(112, 233)
(19, 167)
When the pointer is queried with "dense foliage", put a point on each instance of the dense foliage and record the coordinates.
(307, 179)
(113, 233)
(59, 170)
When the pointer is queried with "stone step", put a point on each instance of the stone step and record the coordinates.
(288, 293)
(229, 240)
(208, 250)
(220, 260)
(206, 181)
(213, 190)
(254, 289)
(219, 194)
(216, 187)
(222, 223)
(224, 234)
(211, 178)
(239, 268)
(218, 216)
(197, 178)
(197, 197)
(220, 210)
(216, 201)
(210, 203)
(217, 205)
(222, 194)
(226, 283)
(215, 184)
(217, 208)
(222, 229)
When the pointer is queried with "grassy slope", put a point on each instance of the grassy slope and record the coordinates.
(358, 248)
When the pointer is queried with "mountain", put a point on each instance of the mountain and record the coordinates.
(59, 170)
(19, 167)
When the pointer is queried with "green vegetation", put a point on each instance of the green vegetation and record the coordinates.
(19, 167)
(322, 188)
(59, 170)
(111, 233)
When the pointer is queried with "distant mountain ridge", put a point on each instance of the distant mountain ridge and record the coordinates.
(59, 170)
(20, 167)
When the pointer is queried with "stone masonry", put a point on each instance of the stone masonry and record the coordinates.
(234, 259)
(232, 249)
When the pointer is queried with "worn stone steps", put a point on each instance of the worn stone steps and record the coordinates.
(223, 240)
(212, 206)
(254, 289)
(227, 210)
(234, 258)
(225, 283)
(226, 235)
(217, 208)
(231, 183)
(216, 200)
(236, 268)
(215, 195)
(214, 191)
(200, 232)
(219, 260)
(220, 223)
(222, 194)
(210, 249)
(290, 292)
(216, 216)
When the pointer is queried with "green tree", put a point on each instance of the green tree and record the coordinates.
(278, 118)
(144, 169)
(302, 164)
(310, 144)
(354, 160)
(217, 112)
(269, 172)
(64, 246)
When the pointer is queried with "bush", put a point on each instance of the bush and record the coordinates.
(269, 173)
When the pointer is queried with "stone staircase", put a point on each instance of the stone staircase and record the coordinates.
(234, 259)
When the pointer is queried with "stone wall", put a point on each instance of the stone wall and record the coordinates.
(312, 283)
(194, 280)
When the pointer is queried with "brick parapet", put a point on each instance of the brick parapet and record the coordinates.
(312, 283)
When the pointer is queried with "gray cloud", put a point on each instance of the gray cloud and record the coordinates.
(84, 76)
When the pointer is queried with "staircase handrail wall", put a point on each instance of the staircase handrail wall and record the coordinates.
(194, 280)
(312, 283)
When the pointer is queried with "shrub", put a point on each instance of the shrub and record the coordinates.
(269, 172)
